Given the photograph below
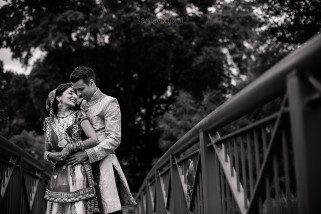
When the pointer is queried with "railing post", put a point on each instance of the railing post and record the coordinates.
(21, 190)
(306, 135)
(211, 195)
(178, 200)
(158, 194)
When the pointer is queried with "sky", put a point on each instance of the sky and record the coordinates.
(12, 64)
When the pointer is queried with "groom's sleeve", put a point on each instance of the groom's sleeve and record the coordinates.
(112, 117)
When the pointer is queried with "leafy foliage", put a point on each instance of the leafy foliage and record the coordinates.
(184, 113)
(33, 144)
(17, 112)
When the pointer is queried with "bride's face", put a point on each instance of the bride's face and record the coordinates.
(68, 98)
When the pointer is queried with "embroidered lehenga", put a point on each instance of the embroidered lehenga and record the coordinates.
(71, 188)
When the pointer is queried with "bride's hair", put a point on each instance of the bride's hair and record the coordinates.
(59, 91)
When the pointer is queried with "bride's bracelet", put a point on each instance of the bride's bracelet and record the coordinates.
(78, 146)
(81, 146)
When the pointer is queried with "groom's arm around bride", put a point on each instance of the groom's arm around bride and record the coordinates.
(103, 112)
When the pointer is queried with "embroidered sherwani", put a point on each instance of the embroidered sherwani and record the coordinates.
(104, 114)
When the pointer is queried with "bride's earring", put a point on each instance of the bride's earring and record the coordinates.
(59, 104)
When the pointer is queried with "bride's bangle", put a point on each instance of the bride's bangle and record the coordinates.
(79, 146)
(74, 149)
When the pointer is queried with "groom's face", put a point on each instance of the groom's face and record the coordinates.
(84, 90)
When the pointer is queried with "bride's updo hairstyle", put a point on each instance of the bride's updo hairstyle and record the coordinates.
(59, 91)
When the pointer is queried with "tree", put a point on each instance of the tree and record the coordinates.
(145, 53)
(33, 144)
(26, 25)
(4, 79)
(285, 25)
(17, 110)
(184, 113)
(292, 22)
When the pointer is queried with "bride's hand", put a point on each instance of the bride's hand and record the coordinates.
(62, 143)
(56, 156)
(68, 148)
(59, 156)
(64, 153)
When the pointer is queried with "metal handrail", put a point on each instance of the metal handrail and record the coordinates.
(264, 88)
(24, 180)
(15, 150)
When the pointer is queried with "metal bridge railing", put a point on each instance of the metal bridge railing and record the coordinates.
(268, 166)
(22, 181)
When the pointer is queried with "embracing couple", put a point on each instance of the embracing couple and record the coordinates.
(80, 140)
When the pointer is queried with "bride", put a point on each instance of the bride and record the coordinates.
(71, 188)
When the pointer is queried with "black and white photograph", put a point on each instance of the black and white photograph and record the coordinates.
(160, 107)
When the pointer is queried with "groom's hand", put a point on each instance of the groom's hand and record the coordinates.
(77, 158)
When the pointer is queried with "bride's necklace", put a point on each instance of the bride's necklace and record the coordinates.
(63, 121)
(65, 113)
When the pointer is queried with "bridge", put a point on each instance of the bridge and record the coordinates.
(22, 181)
(270, 165)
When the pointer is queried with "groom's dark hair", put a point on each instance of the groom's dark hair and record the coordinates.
(82, 73)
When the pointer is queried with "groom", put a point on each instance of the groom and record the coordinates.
(103, 113)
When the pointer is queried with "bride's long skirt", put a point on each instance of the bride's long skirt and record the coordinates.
(66, 208)
(71, 191)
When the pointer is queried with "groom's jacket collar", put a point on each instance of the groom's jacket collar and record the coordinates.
(97, 96)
